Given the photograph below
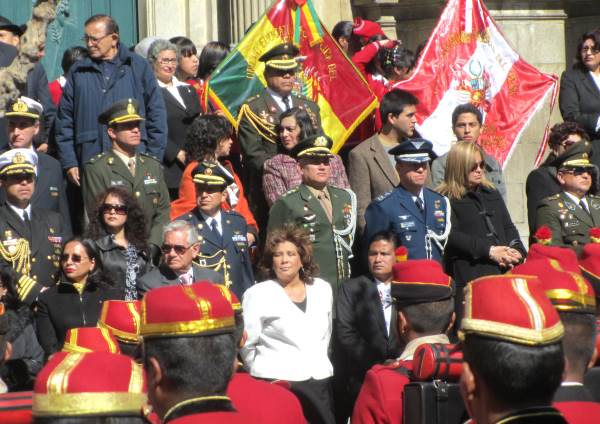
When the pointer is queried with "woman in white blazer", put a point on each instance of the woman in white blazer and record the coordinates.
(288, 322)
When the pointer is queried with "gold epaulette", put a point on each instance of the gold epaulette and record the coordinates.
(264, 128)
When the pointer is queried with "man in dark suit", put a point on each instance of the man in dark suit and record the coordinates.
(30, 238)
(371, 168)
(366, 332)
(259, 115)
(23, 116)
(180, 246)
(222, 240)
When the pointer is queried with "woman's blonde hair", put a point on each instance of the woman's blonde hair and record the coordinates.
(461, 160)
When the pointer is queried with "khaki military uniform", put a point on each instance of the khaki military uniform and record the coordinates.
(570, 224)
(148, 186)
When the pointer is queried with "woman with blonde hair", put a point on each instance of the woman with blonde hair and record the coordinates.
(483, 240)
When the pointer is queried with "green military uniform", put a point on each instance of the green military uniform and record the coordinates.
(331, 239)
(257, 122)
(569, 222)
(148, 186)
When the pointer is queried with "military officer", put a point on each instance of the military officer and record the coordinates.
(260, 114)
(419, 216)
(326, 212)
(571, 213)
(23, 117)
(221, 233)
(124, 166)
(30, 237)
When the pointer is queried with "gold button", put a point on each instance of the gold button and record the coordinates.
(49, 258)
(137, 194)
(33, 260)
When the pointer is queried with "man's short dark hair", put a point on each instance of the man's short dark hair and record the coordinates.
(579, 339)
(195, 365)
(516, 374)
(394, 102)
(431, 317)
(110, 24)
(561, 131)
(385, 235)
(466, 108)
(90, 420)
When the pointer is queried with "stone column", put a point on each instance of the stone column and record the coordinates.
(244, 13)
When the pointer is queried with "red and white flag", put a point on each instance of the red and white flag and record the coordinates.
(468, 60)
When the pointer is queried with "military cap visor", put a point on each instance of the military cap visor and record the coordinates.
(211, 174)
(17, 162)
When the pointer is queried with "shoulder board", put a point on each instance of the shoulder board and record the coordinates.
(148, 155)
(252, 98)
(553, 197)
(383, 196)
(290, 191)
(96, 158)
(231, 212)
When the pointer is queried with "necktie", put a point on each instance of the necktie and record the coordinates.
(215, 229)
(584, 206)
(185, 279)
(420, 204)
(287, 102)
(326, 205)
(26, 218)
(131, 166)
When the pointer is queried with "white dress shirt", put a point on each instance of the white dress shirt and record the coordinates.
(284, 342)
(384, 290)
(172, 88)
(20, 211)
(279, 100)
(210, 219)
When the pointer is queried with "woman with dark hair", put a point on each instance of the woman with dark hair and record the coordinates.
(77, 299)
(70, 56)
(343, 33)
(288, 319)
(211, 56)
(281, 173)
(187, 65)
(26, 357)
(182, 107)
(483, 240)
(579, 97)
(209, 138)
(119, 230)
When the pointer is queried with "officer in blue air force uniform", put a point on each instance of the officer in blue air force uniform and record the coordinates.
(221, 233)
(419, 216)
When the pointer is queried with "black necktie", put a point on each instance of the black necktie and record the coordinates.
(584, 206)
(215, 229)
(420, 204)
(287, 103)
(27, 223)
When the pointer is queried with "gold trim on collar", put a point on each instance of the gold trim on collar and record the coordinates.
(192, 400)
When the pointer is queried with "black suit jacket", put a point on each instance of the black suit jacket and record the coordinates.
(164, 276)
(360, 330)
(179, 118)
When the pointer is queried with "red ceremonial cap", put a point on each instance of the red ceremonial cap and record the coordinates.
(199, 309)
(589, 263)
(366, 29)
(512, 308)
(90, 339)
(122, 318)
(568, 291)
(419, 281)
(567, 258)
(89, 384)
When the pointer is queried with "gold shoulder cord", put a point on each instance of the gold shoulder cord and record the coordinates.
(221, 263)
(266, 130)
(19, 259)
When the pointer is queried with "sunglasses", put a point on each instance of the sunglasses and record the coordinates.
(578, 170)
(74, 258)
(478, 165)
(118, 209)
(179, 249)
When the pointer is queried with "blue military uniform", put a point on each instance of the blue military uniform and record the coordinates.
(226, 253)
(423, 233)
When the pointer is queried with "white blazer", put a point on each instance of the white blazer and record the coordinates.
(284, 342)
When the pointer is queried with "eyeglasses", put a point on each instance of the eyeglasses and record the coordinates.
(118, 209)
(478, 165)
(316, 160)
(591, 49)
(20, 177)
(179, 249)
(577, 170)
(168, 61)
(88, 39)
(74, 258)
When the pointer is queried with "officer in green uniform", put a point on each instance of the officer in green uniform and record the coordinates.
(571, 213)
(124, 166)
(258, 117)
(327, 213)
(30, 238)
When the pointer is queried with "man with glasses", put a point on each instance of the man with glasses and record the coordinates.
(326, 213)
(222, 244)
(259, 115)
(30, 238)
(542, 182)
(571, 213)
(419, 216)
(179, 248)
(125, 166)
(111, 73)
